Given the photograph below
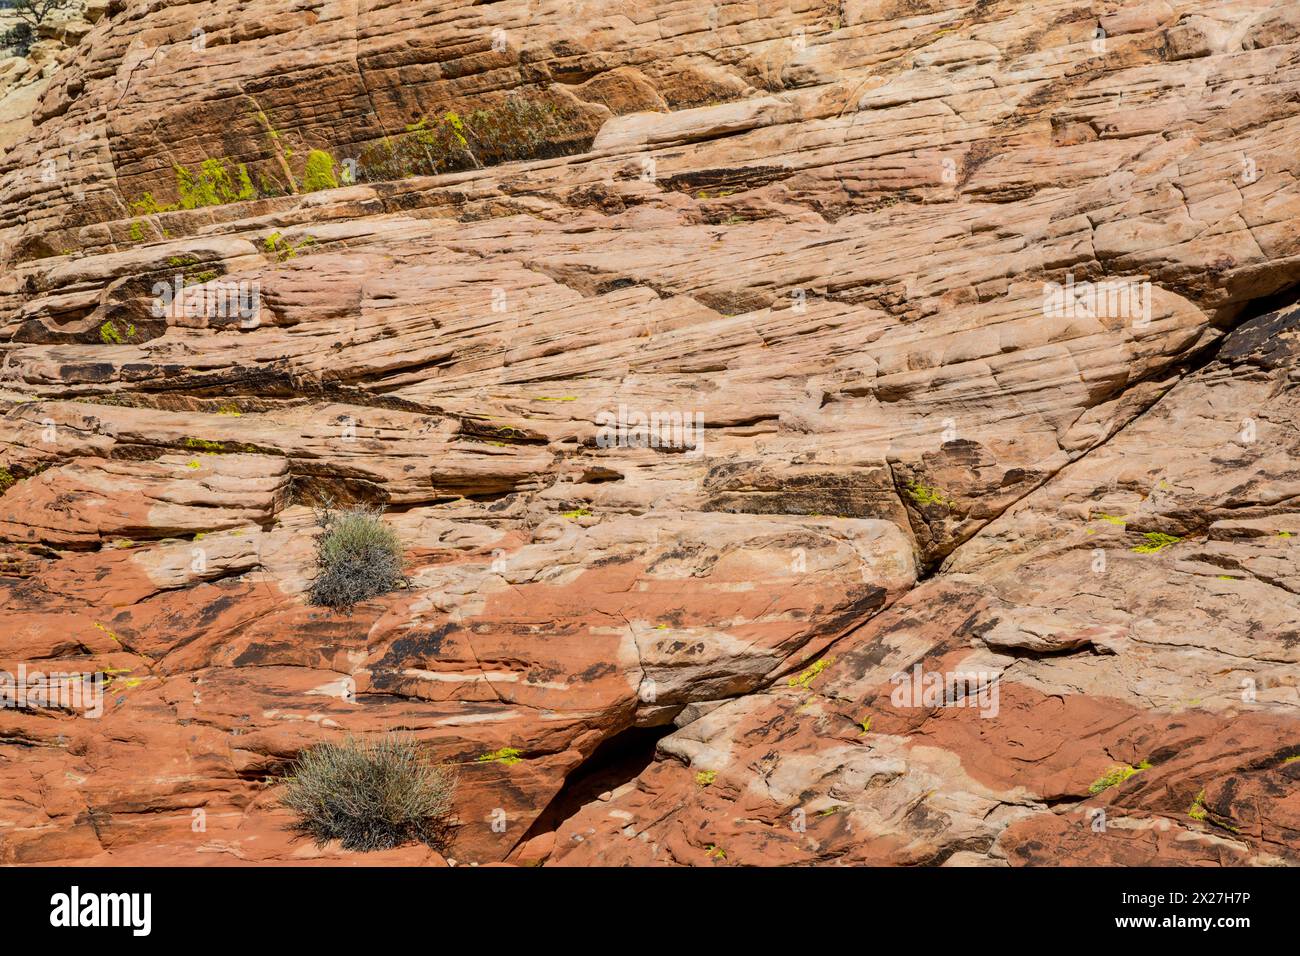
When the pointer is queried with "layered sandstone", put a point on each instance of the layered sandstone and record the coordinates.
(837, 236)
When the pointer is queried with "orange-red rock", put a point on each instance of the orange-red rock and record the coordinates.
(718, 367)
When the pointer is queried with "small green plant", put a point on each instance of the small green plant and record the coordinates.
(705, 778)
(1117, 775)
(924, 495)
(1290, 760)
(281, 249)
(715, 852)
(136, 232)
(1156, 542)
(319, 173)
(146, 205)
(866, 726)
(370, 794)
(1113, 519)
(358, 557)
(6, 480)
(509, 756)
(516, 127)
(268, 185)
(1197, 810)
(576, 513)
(214, 185)
(109, 334)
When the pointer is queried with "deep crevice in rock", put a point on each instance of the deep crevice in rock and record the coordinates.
(616, 761)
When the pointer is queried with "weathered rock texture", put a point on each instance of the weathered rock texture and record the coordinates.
(826, 232)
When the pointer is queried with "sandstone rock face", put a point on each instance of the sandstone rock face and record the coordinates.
(818, 433)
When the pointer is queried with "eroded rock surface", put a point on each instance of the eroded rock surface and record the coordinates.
(719, 367)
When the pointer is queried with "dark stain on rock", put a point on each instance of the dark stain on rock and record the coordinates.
(595, 672)
(417, 645)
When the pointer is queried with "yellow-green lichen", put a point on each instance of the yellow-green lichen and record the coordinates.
(112, 636)
(1156, 542)
(506, 755)
(1116, 775)
(804, 680)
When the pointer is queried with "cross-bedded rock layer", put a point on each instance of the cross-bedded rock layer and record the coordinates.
(825, 245)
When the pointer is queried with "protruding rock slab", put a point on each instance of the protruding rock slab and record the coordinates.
(90, 501)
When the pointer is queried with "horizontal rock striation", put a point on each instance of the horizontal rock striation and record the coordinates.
(856, 432)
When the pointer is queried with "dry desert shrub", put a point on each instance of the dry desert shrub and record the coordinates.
(370, 795)
(358, 557)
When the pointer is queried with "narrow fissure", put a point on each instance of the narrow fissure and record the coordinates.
(1196, 362)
